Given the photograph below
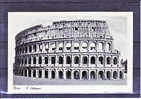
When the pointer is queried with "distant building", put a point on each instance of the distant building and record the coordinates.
(80, 49)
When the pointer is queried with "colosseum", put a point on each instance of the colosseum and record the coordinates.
(78, 49)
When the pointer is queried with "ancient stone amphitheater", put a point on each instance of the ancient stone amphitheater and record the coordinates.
(78, 49)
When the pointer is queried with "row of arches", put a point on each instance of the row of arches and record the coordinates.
(76, 74)
(68, 46)
(69, 60)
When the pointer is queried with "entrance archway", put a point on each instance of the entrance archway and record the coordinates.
(29, 73)
(34, 73)
(53, 74)
(93, 76)
(40, 73)
(46, 73)
(60, 75)
(115, 74)
(84, 75)
(68, 74)
(108, 74)
(101, 75)
(121, 75)
(25, 72)
(76, 75)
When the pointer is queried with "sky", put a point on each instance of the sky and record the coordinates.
(118, 25)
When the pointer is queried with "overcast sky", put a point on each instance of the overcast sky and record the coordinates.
(18, 21)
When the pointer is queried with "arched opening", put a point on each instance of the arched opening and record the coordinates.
(34, 73)
(108, 75)
(92, 60)
(46, 60)
(30, 48)
(61, 46)
(101, 60)
(26, 49)
(76, 46)
(76, 60)
(40, 47)
(100, 46)
(68, 74)
(46, 47)
(115, 61)
(84, 75)
(68, 60)
(121, 75)
(60, 60)
(92, 46)
(76, 75)
(115, 74)
(108, 60)
(34, 47)
(40, 60)
(68, 46)
(53, 74)
(40, 73)
(84, 45)
(46, 73)
(25, 60)
(108, 47)
(60, 75)
(34, 60)
(53, 60)
(25, 72)
(101, 75)
(29, 73)
(53, 46)
(93, 76)
(29, 60)
(85, 60)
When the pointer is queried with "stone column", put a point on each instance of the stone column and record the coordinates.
(64, 74)
(31, 73)
(80, 74)
(49, 74)
(49, 60)
(96, 60)
(43, 61)
(43, 73)
(72, 74)
(104, 61)
(88, 46)
(112, 75)
(89, 74)
(37, 47)
(81, 60)
(56, 74)
(37, 61)
(64, 63)
(37, 73)
(89, 60)
(104, 46)
(104, 75)
(97, 76)
(31, 61)
(56, 60)
(96, 46)
(112, 46)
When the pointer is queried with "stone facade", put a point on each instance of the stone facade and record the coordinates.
(81, 49)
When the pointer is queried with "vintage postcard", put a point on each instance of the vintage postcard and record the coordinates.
(70, 52)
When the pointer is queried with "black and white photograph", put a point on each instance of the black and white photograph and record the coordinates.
(70, 52)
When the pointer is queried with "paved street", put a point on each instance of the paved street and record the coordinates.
(18, 80)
